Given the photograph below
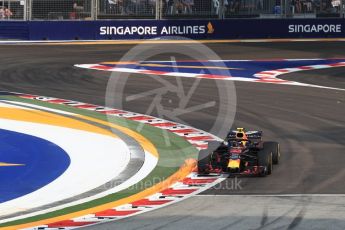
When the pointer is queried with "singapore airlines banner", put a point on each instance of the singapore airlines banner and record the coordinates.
(194, 29)
(153, 29)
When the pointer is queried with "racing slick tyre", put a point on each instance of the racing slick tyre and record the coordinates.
(265, 160)
(204, 158)
(275, 148)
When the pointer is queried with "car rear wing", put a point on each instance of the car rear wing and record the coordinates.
(254, 134)
(251, 135)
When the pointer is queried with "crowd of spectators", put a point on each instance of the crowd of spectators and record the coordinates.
(237, 7)
(196, 8)
(80, 9)
(315, 6)
(130, 7)
(172, 7)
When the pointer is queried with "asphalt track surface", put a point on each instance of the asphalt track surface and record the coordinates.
(308, 122)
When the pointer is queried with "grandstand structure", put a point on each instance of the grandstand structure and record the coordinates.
(167, 9)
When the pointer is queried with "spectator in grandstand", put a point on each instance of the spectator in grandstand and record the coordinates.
(304, 6)
(236, 6)
(326, 6)
(260, 5)
(116, 6)
(336, 6)
(308, 6)
(216, 4)
(151, 7)
(298, 6)
(143, 7)
(230, 7)
(277, 8)
(316, 5)
(233, 6)
(77, 8)
(177, 7)
(169, 7)
(226, 5)
(76, 11)
(187, 6)
(323, 6)
(125, 7)
(7, 13)
(293, 5)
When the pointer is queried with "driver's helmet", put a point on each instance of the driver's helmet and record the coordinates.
(241, 138)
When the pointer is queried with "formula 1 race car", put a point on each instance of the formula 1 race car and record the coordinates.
(241, 153)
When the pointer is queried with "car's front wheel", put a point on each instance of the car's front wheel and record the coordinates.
(265, 162)
(204, 158)
(275, 149)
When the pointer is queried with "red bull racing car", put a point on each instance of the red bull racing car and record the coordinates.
(241, 153)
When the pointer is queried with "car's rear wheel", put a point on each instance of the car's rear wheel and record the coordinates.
(204, 158)
(265, 162)
(275, 149)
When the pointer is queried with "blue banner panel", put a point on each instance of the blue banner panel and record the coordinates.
(14, 30)
(194, 29)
